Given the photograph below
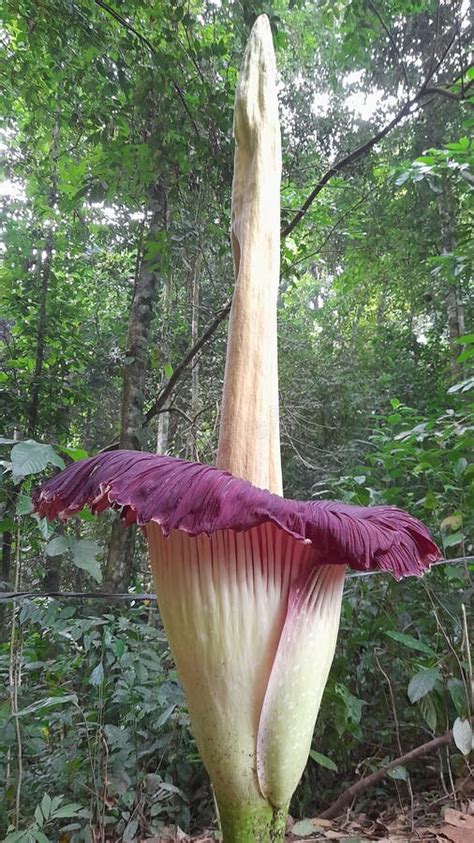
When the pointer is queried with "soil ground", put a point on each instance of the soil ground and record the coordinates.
(435, 820)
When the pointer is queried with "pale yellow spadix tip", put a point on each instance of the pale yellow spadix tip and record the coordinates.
(249, 441)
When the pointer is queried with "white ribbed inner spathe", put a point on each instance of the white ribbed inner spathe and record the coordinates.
(224, 602)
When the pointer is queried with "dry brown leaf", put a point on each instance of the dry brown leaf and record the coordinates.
(463, 821)
(398, 824)
(457, 835)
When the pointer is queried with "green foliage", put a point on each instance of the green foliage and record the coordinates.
(118, 745)
(424, 465)
(46, 814)
(375, 369)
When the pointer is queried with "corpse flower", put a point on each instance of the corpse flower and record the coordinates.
(249, 583)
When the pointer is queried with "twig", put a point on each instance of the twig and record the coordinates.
(359, 787)
(177, 372)
(368, 145)
(112, 595)
(345, 162)
(394, 44)
(397, 726)
(13, 682)
(468, 654)
(445, 92)
(330, 233)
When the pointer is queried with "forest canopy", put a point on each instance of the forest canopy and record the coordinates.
(116, 284)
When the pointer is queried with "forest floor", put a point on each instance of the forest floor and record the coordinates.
(427, 821)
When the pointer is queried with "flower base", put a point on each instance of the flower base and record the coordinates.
(260, 823)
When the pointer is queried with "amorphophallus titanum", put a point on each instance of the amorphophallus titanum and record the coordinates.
(249, 584)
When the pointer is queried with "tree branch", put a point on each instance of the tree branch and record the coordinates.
(394, 44)
(445, 92)
(361, 150)
(346, 162)
(333, 170)
(352, 792)
(177, 372)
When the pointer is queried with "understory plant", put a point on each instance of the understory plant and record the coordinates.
(249, 583)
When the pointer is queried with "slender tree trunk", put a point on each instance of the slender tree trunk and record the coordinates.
(195, 396)
(164, 418)
(119, 563)
(5, 582)
(33, 408)
(454, 303)
(6, 561)
(45, 275)
(53, 565)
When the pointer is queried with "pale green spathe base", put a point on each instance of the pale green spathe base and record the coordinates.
(252, 824)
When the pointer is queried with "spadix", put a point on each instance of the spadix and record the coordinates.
(249, 584)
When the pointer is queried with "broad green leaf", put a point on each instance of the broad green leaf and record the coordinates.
(74, 453)
(323, 760)
(46, 806)
(462, 386)
(47, 703)
(428, 711)
(458, 694)
(44, 526)
(352, 704)
(409, 641)
(468, 354)
(7, 525)
(118, 647)
(398, 773)
(58, 546)
(453, 539)
(462, 735)
(165, 716)
(422, 683)
(97, 675)
(30, 457)
(24, 505)
(55, 802)
(307, 828)
(84, 553)
(69, 810)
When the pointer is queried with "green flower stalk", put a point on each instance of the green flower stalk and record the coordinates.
(249, 584)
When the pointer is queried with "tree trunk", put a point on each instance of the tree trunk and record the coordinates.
(119, 564)
(164, 418)
(5, 583)
(195, 397)
(45, 274)
(454, 303)
(53, 565)
(32, 412)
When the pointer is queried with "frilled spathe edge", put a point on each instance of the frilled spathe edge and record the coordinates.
(196, 498)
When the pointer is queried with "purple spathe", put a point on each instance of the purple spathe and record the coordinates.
(196, 498)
